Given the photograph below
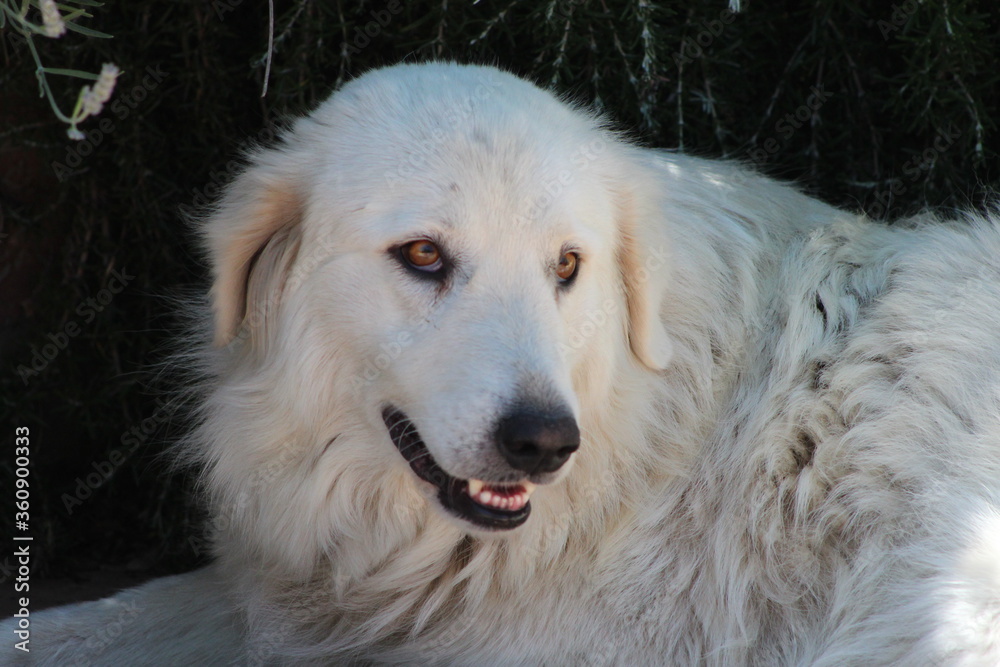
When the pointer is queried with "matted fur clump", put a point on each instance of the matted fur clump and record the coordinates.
(491, 385)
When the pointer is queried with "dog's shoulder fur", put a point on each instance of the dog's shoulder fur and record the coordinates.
(849, 489)
(813, 477)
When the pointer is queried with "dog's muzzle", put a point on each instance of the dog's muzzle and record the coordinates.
(531, 442)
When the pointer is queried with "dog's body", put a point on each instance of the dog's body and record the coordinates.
(788, 416)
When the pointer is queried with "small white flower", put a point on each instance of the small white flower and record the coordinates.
(95, 97)
(51, 20)
(75, 134)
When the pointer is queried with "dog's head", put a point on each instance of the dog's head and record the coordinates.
(445, 263)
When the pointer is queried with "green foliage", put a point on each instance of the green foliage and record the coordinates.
(53, 21)
(883, 107)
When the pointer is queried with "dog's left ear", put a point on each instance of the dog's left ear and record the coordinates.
(644, 261)
(252, 238)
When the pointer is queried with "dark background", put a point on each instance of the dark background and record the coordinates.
(886, 109)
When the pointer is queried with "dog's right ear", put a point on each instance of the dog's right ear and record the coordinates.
(252, 238)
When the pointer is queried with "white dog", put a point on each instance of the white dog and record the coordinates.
(491, 386)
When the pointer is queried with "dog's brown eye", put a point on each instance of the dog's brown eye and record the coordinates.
(422, 255)
(567, 266)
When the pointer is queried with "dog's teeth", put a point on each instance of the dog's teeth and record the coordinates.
(503, 497)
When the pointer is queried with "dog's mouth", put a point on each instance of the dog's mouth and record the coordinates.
(487, 505)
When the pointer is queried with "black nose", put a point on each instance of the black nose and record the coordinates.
(537, 442)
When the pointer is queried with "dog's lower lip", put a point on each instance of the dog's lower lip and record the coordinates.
(454, 493)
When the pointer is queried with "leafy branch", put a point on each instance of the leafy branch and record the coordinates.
(47, 18)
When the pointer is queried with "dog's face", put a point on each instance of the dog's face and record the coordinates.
(447, 243)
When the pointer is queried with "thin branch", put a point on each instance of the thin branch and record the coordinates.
(270, 45)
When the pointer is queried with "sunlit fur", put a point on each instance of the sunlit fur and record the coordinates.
(790, 414)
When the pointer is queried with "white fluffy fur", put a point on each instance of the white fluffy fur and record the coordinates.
(790, 414)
